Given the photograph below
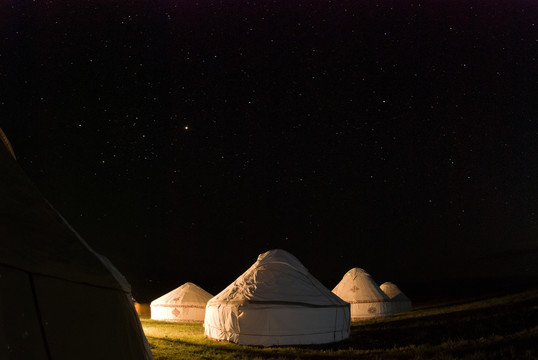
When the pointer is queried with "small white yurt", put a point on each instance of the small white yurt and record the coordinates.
(400, 302)
(184, 304)
(366, 298)
(277, 302)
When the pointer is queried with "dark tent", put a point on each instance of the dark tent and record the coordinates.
(59, 299)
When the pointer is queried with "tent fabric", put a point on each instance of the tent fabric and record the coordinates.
(71, 302)
(400, 302)
(367, 300)
(277, 302)
(184, 304)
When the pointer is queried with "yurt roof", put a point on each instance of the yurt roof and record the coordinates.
(358, 285)
(393, 292)
(277, 277)
(186, 294)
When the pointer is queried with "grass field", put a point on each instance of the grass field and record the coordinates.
(504, 327)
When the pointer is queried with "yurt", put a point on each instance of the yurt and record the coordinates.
(143, 310)
(59, 299)
(277, 302)
(366, 298)
(400, 302)
(184, 304)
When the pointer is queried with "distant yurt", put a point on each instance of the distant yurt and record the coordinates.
(366, 298)
(59, 299)
(143, 310)
(277, 302)
(400, 302)
(185, 304)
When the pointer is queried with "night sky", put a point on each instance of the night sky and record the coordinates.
(183, 138)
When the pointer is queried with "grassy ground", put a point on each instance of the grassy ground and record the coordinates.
(496, 328)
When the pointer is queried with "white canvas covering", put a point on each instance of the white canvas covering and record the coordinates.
(366, 298)
(400, 302)
(277, 302)
(183, 304)
(59, 299)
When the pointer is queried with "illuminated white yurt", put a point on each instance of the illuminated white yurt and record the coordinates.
(184, 304)
(277, 302)
(366, 298)
(59, 299)
(400, 302)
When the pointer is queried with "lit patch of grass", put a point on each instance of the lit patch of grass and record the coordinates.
(497, 328)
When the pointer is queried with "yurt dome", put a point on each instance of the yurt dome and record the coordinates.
(185, 304)
(363, 294)
(277, 302)
(400, 302)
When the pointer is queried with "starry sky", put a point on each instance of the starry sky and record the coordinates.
(183, 138)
